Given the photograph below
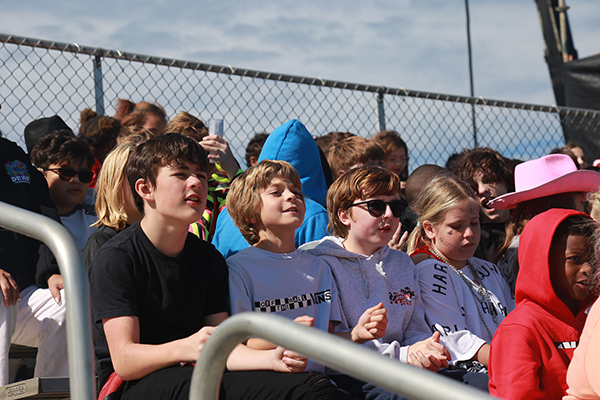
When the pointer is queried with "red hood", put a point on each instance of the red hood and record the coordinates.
(533, 280)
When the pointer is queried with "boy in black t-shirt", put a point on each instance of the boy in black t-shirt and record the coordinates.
(159, 292)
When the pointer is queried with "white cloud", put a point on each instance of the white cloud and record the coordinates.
(420, 45)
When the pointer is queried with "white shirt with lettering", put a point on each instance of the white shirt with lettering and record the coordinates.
(449, 302)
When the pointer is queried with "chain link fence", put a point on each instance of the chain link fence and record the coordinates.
(40, 78)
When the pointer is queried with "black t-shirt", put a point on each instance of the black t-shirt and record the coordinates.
(22, 185)
(96, 240)
(170, 295)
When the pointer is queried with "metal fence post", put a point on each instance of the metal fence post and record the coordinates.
(380, 112)
(82, 379)
(98, 89)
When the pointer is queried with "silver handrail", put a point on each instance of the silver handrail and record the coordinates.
(327, 349)
(82, 381)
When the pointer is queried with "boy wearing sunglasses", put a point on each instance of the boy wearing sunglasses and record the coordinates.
(364, 209)
(267, 205)
(66, 162)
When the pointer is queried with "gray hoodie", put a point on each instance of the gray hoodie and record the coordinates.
(387, 276)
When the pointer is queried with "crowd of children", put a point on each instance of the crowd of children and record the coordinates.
(494, 287)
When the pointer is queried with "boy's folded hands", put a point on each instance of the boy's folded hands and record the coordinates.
(288, 361)
(429, 354)
(371, 325)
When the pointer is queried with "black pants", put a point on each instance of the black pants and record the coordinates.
(174, 383)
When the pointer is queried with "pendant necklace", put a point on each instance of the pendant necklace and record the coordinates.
(478, 290)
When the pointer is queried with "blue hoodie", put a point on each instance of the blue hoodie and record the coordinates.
(293, 143)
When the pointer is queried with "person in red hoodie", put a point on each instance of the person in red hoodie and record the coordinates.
(533, 346)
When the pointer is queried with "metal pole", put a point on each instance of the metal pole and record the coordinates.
(380, 113)
(329, 350)
(562, 10)
(98, 89)
(82, 379)
(473, 116)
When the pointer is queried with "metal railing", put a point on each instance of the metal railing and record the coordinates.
(329, 350)
(82, 379)
(40, 78)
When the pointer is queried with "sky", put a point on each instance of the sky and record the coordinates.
(417, 45)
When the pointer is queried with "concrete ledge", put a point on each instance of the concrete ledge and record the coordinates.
(37, 388)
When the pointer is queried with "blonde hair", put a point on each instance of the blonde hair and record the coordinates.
(112, 182)
(133, 133)
(441, 194)
(595, 205)
(357, 183)
(244, 201)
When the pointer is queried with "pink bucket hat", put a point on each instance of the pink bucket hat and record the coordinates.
(545, 176)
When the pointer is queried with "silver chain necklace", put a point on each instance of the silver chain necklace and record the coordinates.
(476, 288)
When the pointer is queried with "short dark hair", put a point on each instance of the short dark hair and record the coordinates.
(254, 146)
(492, 165)
(60, 147)
(162, 151)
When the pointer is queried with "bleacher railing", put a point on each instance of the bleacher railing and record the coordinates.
(82, 379)
(329, 350)
(41, 78)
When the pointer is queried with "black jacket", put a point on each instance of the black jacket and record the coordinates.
(22, 185)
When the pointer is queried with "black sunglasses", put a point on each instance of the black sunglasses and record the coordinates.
(66, 174)
(376, 208)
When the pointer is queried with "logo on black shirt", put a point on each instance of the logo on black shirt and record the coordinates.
(18, 172)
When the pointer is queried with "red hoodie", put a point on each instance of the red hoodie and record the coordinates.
(533, 346)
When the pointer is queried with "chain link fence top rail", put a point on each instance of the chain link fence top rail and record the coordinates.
(40, 78)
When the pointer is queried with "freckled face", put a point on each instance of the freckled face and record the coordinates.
(180, 192)
(456, 237)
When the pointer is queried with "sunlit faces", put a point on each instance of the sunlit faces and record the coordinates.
(486, 192)
(282, 207)
(366, 234)
(457, 235)
(180, 192)
(570, 269)
(66, 192)
(396, 160)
